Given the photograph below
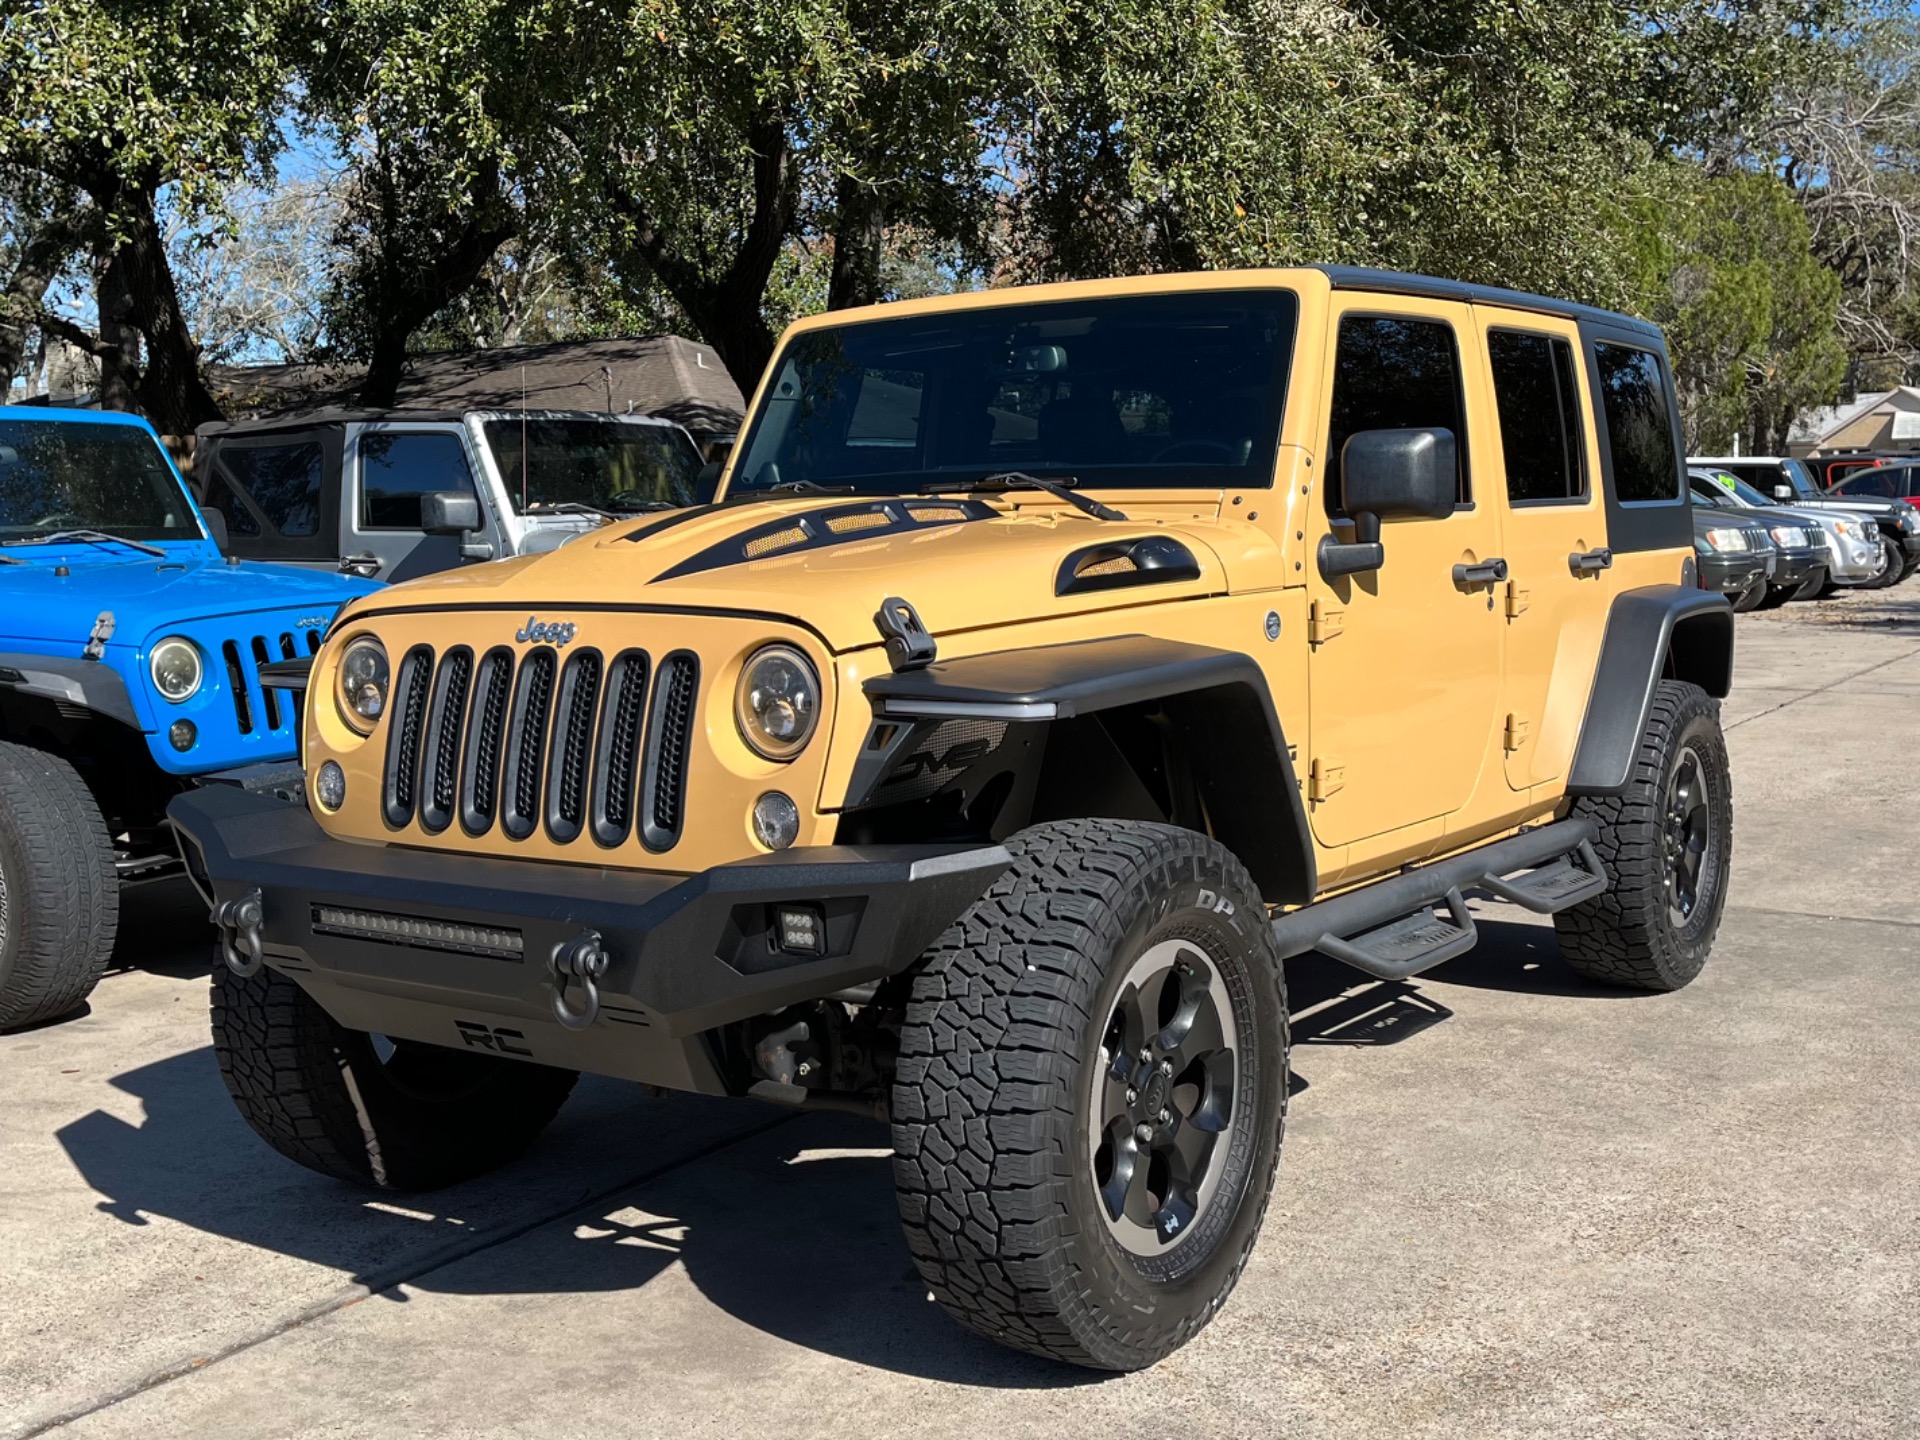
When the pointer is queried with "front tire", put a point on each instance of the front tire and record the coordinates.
(1893, 567)
(1091, 1090)
(59, 891)
(394, 1115)
(1667, 843)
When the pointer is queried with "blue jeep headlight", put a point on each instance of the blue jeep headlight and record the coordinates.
(176, 668)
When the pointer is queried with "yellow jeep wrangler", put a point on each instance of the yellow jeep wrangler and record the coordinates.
(1049, 666)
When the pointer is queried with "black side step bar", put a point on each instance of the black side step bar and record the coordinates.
(1395, 928)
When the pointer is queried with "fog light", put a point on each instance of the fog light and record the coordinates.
(802, 931)
(776, 820)
(182, 734)
(330, 786)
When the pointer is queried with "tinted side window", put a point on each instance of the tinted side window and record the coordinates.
(1633, 394)
(1869, 482)
(1392, 373)
(1539, 406)
(283, 482)
(397, 467)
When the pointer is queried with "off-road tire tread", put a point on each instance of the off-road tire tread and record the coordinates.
(64, 892)
(1620, 937)
(288, 1066)
(983, 1098)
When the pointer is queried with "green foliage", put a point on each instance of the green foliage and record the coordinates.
(1723, 264)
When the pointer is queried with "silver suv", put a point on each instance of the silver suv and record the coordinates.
(393, 494)
(1852, 541)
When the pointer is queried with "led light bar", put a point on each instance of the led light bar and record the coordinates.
(418, 932)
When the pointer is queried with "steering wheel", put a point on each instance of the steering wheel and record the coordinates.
(1204, 448)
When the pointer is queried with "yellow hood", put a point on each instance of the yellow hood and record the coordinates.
(811, 564)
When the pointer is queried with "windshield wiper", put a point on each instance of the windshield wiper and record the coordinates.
(91, 537)
(743, 494)
(1020, 480)
(618, 506)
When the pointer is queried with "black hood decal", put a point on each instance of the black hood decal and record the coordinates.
(831, 525)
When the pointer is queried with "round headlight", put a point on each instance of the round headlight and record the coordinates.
(176, 668)
(362, 686)
(778, 702)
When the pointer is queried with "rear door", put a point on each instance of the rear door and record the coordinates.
(1405, 661)
(393, 466)
(1554, 602)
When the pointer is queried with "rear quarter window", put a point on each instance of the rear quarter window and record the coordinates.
(1633, 401)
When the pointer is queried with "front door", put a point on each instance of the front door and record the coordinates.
(1405, 660)
(1553, 537)
(393, 468)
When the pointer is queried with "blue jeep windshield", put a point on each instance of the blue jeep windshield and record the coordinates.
(69, 475)
(1128, 391)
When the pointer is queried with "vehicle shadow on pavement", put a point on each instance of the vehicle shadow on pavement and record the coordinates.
(1333, 1004)
(163, 931)
(790, 1229)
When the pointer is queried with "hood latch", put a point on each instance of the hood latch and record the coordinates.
(909, 646)
(102, 633)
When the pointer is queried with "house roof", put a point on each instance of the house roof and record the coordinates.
(1812, 427)
(663, 375)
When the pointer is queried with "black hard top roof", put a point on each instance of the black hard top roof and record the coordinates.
(1396, 282)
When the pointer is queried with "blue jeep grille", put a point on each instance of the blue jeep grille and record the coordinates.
(254, 707)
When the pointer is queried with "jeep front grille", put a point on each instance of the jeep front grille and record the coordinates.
(253, 703)
(574, 746)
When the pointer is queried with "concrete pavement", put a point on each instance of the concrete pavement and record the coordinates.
(1512, 1204)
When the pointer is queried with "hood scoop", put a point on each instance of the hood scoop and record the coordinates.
(829, 525)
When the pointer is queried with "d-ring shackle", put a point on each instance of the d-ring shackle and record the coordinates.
(583, 958)
(239, 922)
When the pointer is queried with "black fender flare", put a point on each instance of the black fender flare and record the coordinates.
(1218, 702)
(90, 684)
(1656, 631)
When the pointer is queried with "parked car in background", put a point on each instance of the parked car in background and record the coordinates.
(1734, 556)
(1849, 544)
(1889, 480)
(398, 493)
(1830, 470)
(1789, 482)
(133, 659)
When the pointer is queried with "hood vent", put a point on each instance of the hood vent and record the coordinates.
(830, 525)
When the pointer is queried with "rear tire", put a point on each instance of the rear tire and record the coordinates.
(408, 1117)
(1092, 1084)
(1667, 842)
(59, 891)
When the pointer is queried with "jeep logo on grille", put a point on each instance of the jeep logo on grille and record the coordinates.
(551, 632)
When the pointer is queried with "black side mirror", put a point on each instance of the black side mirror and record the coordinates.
(707, 485)
(1389, 475)
(449, 512)
(217, 528)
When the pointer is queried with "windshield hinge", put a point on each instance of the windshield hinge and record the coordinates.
(102, 633)
(1323, 622)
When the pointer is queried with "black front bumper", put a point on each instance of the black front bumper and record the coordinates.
(466, 945)
(1731, 574)
(1795, 567)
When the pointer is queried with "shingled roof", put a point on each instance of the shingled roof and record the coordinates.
(664, 375)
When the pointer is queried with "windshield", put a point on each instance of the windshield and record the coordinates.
(602, 464)
(69, 475)
(1136, 391)
(1747, 494)
(1800, 479)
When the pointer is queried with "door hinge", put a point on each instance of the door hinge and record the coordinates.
(1516, 599)
(1324, 622)
(1326, 778)
(1516, 734)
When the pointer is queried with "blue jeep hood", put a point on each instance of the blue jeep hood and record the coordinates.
(146, 594)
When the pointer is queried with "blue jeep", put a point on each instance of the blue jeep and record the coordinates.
(131, 658)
